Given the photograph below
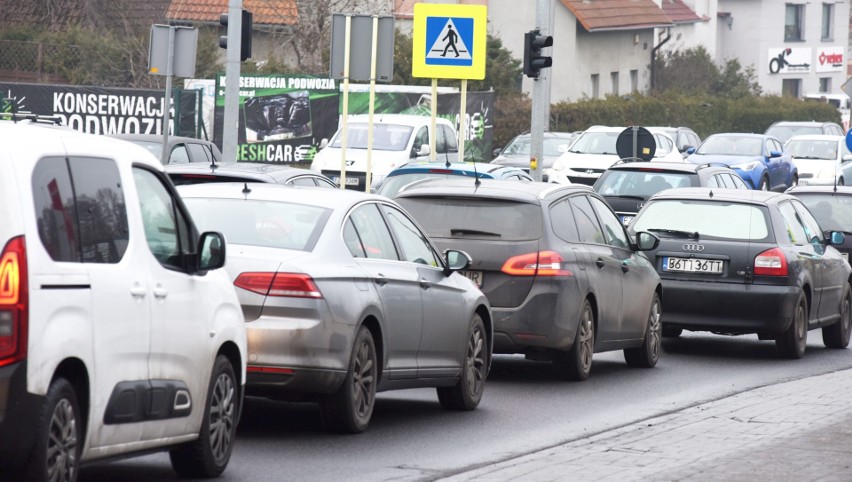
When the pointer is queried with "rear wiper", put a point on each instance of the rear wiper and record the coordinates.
(455, 231)
(626, 196)
(676, 232)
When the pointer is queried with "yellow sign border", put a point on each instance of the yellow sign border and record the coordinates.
(419, 68)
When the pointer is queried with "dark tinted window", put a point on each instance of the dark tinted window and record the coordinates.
(613, 229)
(833, 212)
(352, 240)
(645, 184)
(166, 229)
(440, 142)
(200, 153)
(55, 211)
(100, 209)
(415, 248)
(475, 218)
(792, 224)
(373, 233)
(562, 220)
(587, 223)
(450, 138)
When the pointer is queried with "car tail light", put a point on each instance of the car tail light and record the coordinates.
(274, 370)
(14, 302)
(542, 263)
(441, 171)
(772, 262)
(291, 285)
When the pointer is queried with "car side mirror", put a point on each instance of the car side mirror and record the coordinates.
(497, 152)
(646, 241)
(456, 260)
(836, 238)
(690, 150)
(424, 151)
(687, 148)
(211, 252)
(774, 154)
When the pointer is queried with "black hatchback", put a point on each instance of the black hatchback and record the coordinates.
(738, 262)
(627, 185)
(562, 276)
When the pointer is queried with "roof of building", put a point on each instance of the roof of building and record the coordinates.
(680, 13)
(264, 12)
(602, 15)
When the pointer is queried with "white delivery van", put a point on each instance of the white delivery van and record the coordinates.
(397, 139)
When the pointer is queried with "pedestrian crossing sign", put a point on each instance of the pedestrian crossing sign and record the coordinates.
(449, 41)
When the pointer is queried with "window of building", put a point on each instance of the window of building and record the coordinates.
(825, 84)
(827, 21)
(793, 22)
(614, 78)
(791, 87)
(634, 81)
(595, 86)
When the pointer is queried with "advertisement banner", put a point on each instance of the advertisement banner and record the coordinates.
(281, 118)
(103, 110)
(789, 60)
(830, 59)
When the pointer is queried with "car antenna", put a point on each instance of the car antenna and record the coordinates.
(213, 165)
(475, 175)
(246, 189)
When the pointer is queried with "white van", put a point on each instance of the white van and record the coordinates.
(119, 333)
(397, 139)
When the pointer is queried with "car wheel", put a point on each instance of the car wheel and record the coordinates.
(208, 455)
(59, 438)
(795, 181)
(792, 342)
(764, 184)
(646, 356)
(837, 335)
(576, 363)
(466, 394)
(671, 332)
(350, 408)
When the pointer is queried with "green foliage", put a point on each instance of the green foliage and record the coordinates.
(693, 71)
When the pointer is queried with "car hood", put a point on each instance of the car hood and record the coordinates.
(814, 166)
(577, 161)
(523, 162)
(722, 159)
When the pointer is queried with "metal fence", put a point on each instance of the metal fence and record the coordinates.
(23, 61)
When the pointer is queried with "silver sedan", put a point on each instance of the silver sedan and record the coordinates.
(344, 296)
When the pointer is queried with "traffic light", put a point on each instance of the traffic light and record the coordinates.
(533, 60)
(245, 34)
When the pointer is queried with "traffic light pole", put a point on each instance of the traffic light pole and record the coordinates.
(540, 113)
(232, 82)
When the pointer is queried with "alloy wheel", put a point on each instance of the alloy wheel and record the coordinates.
(62, 443)
(475, 361)
(362, 380)
(222, 416)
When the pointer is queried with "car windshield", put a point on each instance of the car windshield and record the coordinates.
(710, 219)
(732, 146)
(553, 146)
(812, 149)
(446, 217)
(595, 143)
(260, 223)
(832, 212)
(155, 148)
(642, 183)
(386, 137)
(786, 132)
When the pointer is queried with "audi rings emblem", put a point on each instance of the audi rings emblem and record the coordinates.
(693, 247)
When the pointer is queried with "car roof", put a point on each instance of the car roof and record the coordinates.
(550, 134)
(531, 192)
(816, 137)
(604, 129)
(315, 196)
(802, 123)
(845, 190)
(469, 167)
(663, 166)
(740, 134)
(668, 128)
(721, 194)
(252, 170)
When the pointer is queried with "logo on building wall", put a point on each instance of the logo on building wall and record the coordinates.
(789, 60)
(830, 59)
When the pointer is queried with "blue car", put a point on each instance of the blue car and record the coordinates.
(416, 172)
(760, 160)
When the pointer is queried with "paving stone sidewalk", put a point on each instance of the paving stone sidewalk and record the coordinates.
(793, 431)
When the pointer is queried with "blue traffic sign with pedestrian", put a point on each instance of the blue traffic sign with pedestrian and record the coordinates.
(449, 41)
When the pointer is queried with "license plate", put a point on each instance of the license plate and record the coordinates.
(693, 265)
(625, 220)
(350, 181)
(475, 276)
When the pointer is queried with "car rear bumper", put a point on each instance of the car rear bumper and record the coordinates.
(547, 319)
(18, 415)
(729, 307)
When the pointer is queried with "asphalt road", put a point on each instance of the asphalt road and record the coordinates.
(524, 409)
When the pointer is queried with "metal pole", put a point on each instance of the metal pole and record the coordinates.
(540, 121)
(372, 106)
(167, 99)
(231, 123)
(433, 139)
(344, 125)
(462, 119)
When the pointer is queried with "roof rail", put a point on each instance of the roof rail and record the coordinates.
(44, 119)
(626, 160)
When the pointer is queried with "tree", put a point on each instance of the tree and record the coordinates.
(693, 71)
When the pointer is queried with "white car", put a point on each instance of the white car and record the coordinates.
(119, 332)
(397, 139)
(818, 158)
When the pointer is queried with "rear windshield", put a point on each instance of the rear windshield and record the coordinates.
(181, 179)
(393, 184)
(715, 220)
(833, 213)
(642, 183)
(260, 223)
(476, 218)
(596, 143)
(732, 146)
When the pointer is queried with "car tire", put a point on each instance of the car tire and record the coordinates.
(671, 332)
(837, 335)
(58, 436)
(576, 363)
(350, 408)
(646, 356)
(764, 184)
(466, 394)
(791, 344)
(841, 182)
(795, 181)
(209, 454)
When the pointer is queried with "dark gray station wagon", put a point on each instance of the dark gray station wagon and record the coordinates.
(562, 276)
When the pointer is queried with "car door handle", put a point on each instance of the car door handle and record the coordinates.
(625, 267)
(160, 292)
(138, 291)
(381, 280)
(600, 262)
(425, 284)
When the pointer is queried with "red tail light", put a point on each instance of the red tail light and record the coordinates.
(542, 263)
(14, 302)
(292, 285)
(772, 262)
